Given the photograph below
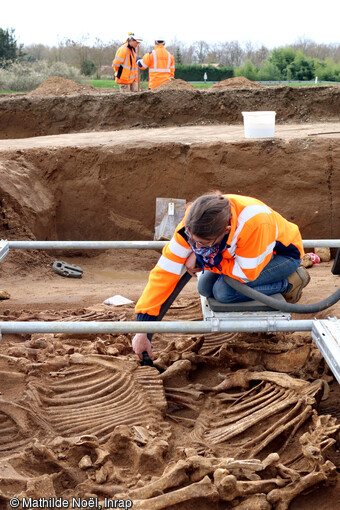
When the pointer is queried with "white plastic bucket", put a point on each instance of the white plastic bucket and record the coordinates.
(259, 124)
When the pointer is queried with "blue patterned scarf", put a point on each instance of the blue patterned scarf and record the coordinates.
(210, 256)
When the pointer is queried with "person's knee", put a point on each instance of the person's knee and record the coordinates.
(206, 282)
(204, 289)
(223, 292)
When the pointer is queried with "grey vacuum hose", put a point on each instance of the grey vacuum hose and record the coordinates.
(280, 305)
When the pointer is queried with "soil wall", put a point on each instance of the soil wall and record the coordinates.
(99, 193)
(23, 116)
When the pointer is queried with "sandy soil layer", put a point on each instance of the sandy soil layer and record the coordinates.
(224, 420)
(26, 115)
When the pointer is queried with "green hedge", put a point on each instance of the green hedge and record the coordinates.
(196, 72)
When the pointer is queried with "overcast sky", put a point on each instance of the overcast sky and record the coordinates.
(268, 22)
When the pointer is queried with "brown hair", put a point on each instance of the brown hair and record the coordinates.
(209, 215)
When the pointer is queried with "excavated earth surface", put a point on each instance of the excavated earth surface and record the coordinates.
(246, 421)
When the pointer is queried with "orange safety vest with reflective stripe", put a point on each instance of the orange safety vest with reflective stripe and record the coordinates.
(257, 232)
(125, 65)
(161, 65)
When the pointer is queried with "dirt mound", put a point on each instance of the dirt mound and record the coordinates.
(58, 86)
(176, 84)
(238, 82)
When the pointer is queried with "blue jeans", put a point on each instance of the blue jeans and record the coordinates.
(271, 280)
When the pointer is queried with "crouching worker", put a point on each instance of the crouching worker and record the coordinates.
(229, 235)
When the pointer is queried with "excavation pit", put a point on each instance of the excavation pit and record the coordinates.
(73, 184)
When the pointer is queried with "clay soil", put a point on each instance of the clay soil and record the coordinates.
(78, 164)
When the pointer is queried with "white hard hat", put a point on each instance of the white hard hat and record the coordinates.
(160, 40)
(136, 37)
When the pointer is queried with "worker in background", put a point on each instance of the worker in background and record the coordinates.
(160, 62)
(231, 235)
(125, 66)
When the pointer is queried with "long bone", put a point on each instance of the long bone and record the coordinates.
(203, 489)
(176, 475)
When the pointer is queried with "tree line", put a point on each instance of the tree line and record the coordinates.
(302, 60)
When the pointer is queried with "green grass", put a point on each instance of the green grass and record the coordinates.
(103, 84)
(13, 92)
(111, 84)
(202, 85)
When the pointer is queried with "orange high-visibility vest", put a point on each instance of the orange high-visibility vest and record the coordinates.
(257, 232)
(161, 65)
(125, 65)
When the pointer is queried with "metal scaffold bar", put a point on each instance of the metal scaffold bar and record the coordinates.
(104, 245)
(85, 245)
(154, 245)
(194, 327)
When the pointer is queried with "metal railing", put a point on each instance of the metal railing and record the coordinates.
(153, 245)
(186, 327)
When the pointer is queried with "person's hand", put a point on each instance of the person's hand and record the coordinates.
(190, 264)
(140, 343)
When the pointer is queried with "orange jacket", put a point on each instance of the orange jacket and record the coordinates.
(125, 65)
(257, 231)
(161, 65)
